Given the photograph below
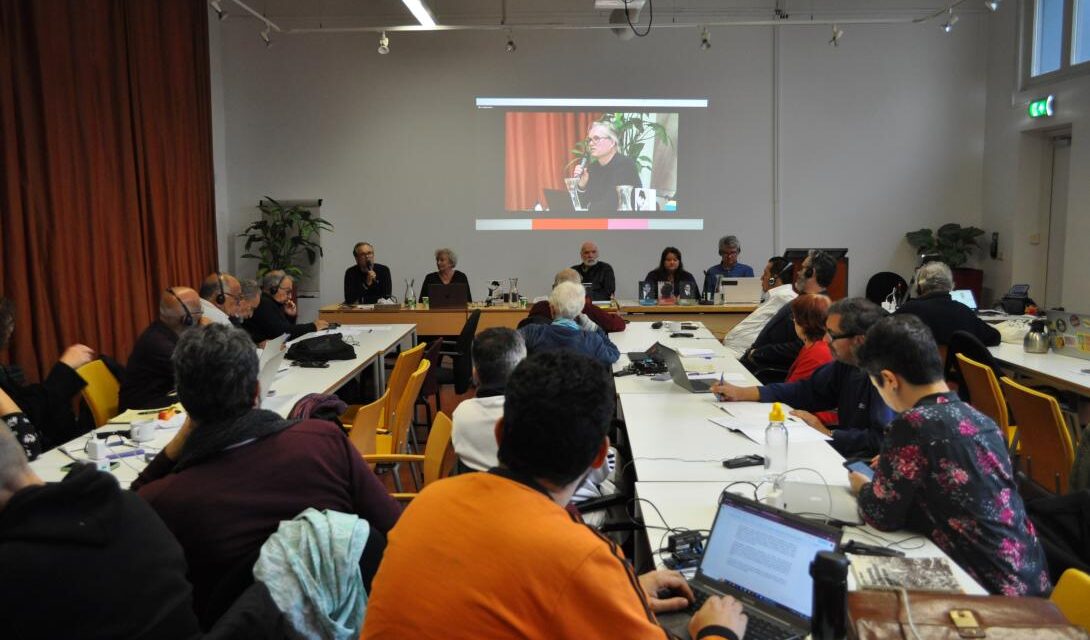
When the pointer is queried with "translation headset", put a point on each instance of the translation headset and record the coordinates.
(276, 287)
(221, 297)
(187, 319)
(783, 275)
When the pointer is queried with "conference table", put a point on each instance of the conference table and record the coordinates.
(1054, 369)
(371, 345)
(678, 441)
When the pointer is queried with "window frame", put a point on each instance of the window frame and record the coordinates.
(1067, 69)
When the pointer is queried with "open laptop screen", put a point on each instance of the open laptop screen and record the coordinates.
(965, 297)
(766, 554)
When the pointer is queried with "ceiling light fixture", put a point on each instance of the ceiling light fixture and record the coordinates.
(266, 36)
(951, 20)
(383, 44)
(838, 33)
(220, 13)
(420, 11)
(510, 46)
(993, 5)
(705, 43)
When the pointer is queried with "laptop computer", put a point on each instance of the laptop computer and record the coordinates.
(559, 201)
(965, 297)
(761, 556)
(1070, 333)
(267, 374)
(677, 371)
(741, 290)
(652, 353)
(273, 346)
(448, 296)
(818, 499)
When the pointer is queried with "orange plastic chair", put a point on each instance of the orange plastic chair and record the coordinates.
(101, 391)
(437, 458)
(986, 396)
(1072, 595)
(407, 362)
(371, 435)
(1046, 447)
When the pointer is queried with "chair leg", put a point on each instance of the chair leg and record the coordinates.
(397, 479)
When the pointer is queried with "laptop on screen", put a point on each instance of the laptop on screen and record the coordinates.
(677, 370)
(761, 556)
(559, 201)
(965, 297)
(448, 296)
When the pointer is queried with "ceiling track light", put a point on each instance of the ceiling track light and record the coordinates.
(218, 8)
(838, 33)
(993, 5)
(383, 44)
(266, 36)
(705, 41)
(510, 47)
(951, 20)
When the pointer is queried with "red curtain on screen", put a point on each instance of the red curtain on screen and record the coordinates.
(106, 195)
(538, 147)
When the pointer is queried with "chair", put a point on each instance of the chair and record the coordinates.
(966, 343)
(101, 391)
(407, 362)
(1045, 441)
(434, 461)
(461, 372)
(430, 388)
(1072, 595)
(985, 395)
(371, 435)
(882, 284)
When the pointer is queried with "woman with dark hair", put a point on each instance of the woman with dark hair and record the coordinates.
(944, 470)
(673, 273)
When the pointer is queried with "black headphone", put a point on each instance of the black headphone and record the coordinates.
(276, 287)
(187, 320)
(221, 297)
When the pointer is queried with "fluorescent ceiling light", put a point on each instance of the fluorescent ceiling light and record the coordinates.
(420, 11)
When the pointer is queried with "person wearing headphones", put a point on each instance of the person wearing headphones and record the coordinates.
(148, 381)
(776, 281)
(221, 298)
(276, 313)
(366, 282)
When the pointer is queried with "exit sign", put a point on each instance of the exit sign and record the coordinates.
(1042, 107)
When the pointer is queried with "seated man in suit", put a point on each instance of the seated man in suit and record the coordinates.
(609, 322)
(233, 472)
(221, 298)
(84, 559)
(366, 281)
(566, 302)
(276, 313)
(599, 274)
(941, 313)
(148, 381)
(496, 555)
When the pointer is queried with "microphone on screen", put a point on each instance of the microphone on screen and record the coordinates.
(583, 162)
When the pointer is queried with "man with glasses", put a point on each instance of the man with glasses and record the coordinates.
(276, 312)
(221, 298)
(598, 180)
(148, 381)
(366, 282)
(839, 385)
(728, 267)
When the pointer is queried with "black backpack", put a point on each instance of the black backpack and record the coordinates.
(321, 349)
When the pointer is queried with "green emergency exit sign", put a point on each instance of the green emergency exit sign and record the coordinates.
(1042, 107)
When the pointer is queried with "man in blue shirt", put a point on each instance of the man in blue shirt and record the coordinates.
(729, 267)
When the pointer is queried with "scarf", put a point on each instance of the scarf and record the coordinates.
(210, 439)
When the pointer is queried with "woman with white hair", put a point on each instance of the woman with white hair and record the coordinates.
(940, 312)
(566, 332)
(445, 273)
(604, 168)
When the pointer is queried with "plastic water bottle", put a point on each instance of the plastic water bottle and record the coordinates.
(775, 441)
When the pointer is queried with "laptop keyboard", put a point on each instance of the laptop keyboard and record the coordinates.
(758, 628)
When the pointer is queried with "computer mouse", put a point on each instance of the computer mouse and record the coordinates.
(656, 325)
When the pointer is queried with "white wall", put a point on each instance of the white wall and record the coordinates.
(877, 137)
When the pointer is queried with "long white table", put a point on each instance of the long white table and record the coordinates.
(1065, 372)
(288, 387)
(639, 336)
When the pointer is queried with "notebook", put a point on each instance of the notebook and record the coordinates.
(761, 556)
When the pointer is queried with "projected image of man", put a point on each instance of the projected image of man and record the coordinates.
(604, 169)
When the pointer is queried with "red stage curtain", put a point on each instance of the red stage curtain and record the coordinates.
(106, 156)
(538, 147)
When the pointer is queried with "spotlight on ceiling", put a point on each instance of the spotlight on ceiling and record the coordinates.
(705, 42)
(951, 20)
(383, 44)
(620, 22)
(266, 36)
(218, 8)
(510, 46)
(993, 5)
(838, 33)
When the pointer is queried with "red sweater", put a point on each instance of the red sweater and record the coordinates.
(609, 322)
(810, 359)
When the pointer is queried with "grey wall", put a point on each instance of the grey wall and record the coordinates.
(803, 144)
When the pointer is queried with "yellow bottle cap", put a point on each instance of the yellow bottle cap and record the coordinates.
(776, 415)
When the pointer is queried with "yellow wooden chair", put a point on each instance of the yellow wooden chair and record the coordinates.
(372, 434)
(1072, 597)
(101, 391)
(437, 458)
(1045, 441)
(986, 396)
(407, 362)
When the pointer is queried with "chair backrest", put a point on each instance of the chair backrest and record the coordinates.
(1043, 435)
(1071, 596)
(984, 391)
(435, 452)
(882, 284)
(101, 391)
(968, 344)
(407, 362)
(431, 381)
(406, 404)
(369, 419)
(463, 363)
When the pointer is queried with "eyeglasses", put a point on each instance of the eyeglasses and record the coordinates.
(287, 288)
(597, 139)
(840, 336)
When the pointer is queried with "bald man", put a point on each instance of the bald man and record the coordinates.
(598, 275)
(221, 298)
(148, 382)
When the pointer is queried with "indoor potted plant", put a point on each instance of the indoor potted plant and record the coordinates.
(281, 234)
(954, 244)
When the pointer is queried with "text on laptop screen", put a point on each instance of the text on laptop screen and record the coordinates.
(767, 558)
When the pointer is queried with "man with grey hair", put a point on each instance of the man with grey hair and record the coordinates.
(276, 313)
(251, 297)
(496, 353)
(595, 273)
(566, 303)
(84, 546)
(233, 472)
(941, 313)
(729, 267)
(840, 385)
(541, 312)
(148, 379)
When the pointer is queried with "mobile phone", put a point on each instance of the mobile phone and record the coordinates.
(860, 466)
(751, 460)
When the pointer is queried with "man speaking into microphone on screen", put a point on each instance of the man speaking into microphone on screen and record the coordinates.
(366, 281)
(604, 169)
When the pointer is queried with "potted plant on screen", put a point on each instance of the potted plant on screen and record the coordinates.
(283, 236)
(955, 244)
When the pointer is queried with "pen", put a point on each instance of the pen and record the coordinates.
(126, 454)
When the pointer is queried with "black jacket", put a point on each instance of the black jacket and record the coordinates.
(149, 373)
(356, 290)
(48, 405)
(777, 345)
(433, 278)
(602, 282)
(83, 559)
(944, 315)
(269, 321)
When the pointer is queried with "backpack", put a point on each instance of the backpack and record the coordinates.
(321, 349)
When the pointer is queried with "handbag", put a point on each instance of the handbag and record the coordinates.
(321, 349)
(881, 615)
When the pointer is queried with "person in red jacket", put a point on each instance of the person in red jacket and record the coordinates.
(809, 311)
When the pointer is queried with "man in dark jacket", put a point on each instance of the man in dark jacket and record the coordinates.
(941, 313)
(366, 282)
(149, 379)
(83, 559)
(839, 385)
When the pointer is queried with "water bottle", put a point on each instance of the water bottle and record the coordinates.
(775, 441)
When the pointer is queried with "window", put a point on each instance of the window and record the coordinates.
(1080, 36)
(1048, 22)
(1056, 40)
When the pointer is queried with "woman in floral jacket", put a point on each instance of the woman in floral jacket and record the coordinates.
(944, 469)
